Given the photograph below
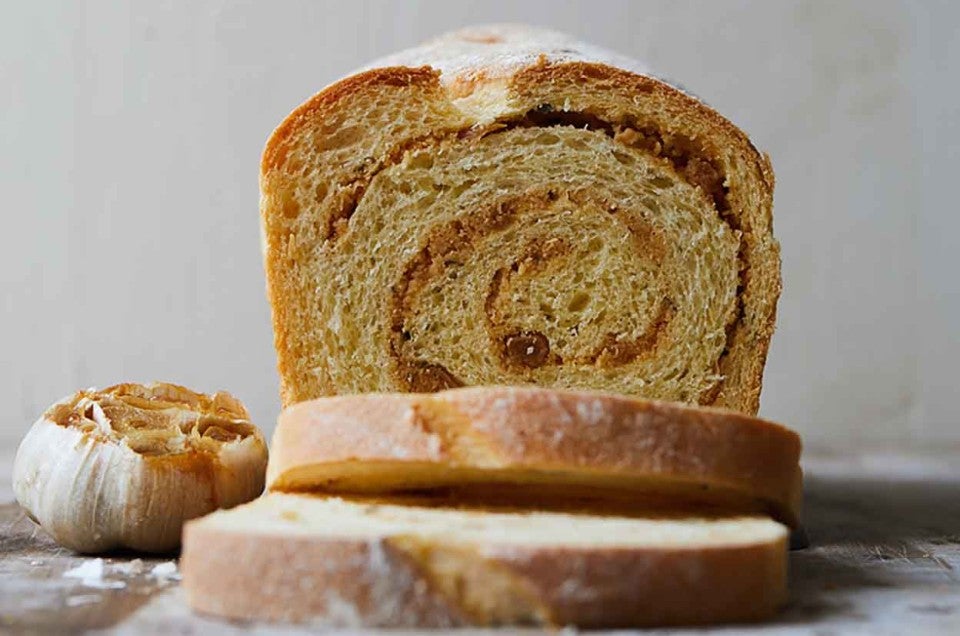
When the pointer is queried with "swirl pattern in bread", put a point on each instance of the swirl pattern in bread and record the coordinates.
(522, 210)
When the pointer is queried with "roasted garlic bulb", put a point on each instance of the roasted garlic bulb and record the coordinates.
(126, 466)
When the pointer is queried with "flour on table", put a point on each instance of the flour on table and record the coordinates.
(90, 573)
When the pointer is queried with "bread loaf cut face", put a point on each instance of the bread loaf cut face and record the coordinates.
(508, 206)
(539, 448)
(299, 558)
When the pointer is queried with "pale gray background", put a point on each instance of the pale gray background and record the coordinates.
(131, 132)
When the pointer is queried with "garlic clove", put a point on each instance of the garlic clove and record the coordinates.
(125, 467)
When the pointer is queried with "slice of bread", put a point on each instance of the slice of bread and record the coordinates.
(539, 447)
(509, 206)
(300, 558)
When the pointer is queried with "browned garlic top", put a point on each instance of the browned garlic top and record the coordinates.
(156, 419)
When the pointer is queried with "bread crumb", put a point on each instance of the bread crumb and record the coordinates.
(166, 571)
(129, 567)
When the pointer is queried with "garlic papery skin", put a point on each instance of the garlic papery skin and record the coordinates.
(127, 466)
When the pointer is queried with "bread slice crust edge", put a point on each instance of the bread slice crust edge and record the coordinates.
(556, 448)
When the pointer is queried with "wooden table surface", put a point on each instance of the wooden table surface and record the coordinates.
(884, 559)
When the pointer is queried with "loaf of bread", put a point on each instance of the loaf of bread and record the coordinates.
(300, 558)
(541, 448)
(508, 206)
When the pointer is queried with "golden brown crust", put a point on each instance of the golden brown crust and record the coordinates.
(273, 171)
(245, 576)
(478, 92)
(321, 106)
(402, 578)
(746, 583)
(497, 445)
